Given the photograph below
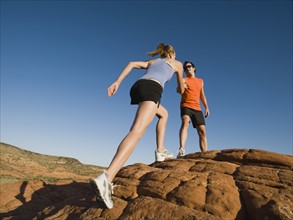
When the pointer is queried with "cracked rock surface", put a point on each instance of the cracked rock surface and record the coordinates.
(229, 184)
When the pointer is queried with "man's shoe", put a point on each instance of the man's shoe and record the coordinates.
(103, 189)
(161, 156)
(181, 153)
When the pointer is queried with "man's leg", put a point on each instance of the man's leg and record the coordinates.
(203, 144)
(183, 133)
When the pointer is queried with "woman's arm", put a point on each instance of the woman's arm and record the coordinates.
(131, 65)
(179, 73)
(184, 84)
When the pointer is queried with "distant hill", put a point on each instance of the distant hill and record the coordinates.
(17, 164)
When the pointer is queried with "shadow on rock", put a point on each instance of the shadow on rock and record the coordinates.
(71, 199)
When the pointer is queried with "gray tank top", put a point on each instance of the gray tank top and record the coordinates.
(160, 71)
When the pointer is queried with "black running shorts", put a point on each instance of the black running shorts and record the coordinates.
(145, 90)
(196, 116)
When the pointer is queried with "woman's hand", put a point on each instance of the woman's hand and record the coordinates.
(113, 89)
(184, 84)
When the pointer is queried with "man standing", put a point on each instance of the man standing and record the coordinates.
(191, 110)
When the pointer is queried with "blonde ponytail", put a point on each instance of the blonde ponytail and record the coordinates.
(163, 50)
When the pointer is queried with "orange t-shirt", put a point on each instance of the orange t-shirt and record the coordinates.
(191, 96)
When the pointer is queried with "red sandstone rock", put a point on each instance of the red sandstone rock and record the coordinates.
(230, 184)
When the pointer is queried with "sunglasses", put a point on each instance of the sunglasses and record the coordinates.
(186, 67)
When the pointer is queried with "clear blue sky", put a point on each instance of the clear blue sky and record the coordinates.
(59, 57)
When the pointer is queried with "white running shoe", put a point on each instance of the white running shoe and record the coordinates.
(103, 189)
(181, 153)
(161, 156)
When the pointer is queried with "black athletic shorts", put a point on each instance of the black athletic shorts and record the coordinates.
(145, 90)
(196, 116)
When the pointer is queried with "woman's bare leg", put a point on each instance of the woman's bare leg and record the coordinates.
(145, 114)
(162, 114)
